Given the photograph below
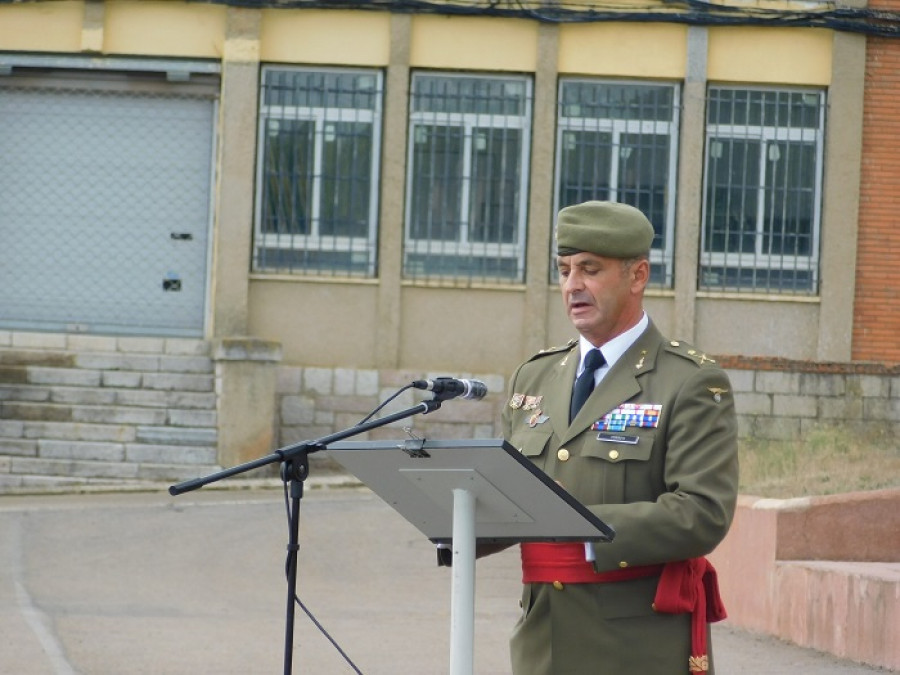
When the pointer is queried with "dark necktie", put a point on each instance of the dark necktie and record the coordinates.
(584, 385)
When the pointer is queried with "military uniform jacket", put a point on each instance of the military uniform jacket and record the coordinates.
(666, 481)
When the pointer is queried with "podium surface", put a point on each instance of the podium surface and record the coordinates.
(514, 500)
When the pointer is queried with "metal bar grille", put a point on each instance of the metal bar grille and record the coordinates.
(763, 177)
(317, 175)
(618, 141)
(466, 189)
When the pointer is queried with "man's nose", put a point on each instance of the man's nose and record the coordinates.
(573, 282)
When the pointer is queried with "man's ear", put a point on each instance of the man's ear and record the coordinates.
(640, 274)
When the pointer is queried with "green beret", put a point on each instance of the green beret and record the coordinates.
(604, 228)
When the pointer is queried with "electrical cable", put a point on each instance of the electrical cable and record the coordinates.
(874, 22)
(865, 21)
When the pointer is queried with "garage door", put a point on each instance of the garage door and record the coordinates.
(105, 183)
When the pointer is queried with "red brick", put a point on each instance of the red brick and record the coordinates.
(877, 303)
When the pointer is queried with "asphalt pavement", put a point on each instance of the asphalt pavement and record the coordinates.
(120, 583)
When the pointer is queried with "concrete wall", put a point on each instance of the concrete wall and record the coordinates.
(821, 572)
(392, 323)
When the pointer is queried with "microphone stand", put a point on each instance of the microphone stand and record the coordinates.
(295, 467)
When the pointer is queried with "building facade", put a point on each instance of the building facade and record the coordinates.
(371, 194)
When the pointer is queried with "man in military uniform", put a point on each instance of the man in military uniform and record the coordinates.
(652, 452)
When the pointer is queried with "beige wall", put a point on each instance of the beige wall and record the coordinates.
(317, 323)
(325, 37)
(623, 50)
(761, 327)
(41, 27)
(473, 43)
(164, 28)
(389, 323)
(771, 55)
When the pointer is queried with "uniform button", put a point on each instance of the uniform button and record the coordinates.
(521, 450)
(558, 585)
(675, 343)
(614, 454)
(623, 564)
(562, 454)
(652, 605)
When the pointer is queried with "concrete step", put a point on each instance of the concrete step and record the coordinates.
(18, 473)
(150, 453)
(11, 393)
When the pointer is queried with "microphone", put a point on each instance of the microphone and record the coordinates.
(448, 387)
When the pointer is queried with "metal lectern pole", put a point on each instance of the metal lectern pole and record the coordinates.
(462, 606)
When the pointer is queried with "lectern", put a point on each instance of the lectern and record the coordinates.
(467, 492)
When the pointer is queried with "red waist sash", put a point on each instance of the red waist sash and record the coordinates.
(546, 562)
(685, 587)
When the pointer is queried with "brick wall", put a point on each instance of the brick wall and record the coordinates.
(876, 322)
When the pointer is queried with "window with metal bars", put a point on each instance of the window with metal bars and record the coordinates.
(469, 140)
(763, 185)
(618, 141)
(317, 172)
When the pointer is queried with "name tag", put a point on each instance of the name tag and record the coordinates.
(618, 438)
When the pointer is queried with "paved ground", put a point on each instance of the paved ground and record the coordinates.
(141, 582)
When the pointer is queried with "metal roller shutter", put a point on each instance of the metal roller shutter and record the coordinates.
(105, 183)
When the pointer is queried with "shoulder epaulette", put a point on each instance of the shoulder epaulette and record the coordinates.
(555, 350)
(689, 352)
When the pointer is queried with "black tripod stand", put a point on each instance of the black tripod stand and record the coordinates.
(295, 468)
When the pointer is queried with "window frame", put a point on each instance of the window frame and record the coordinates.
(761, 136)
(463, 247)
(618, 127)
(314, 241)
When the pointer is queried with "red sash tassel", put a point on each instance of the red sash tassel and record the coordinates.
(692, 586)
(685, 587)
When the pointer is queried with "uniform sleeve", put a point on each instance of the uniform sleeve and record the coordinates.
(701, 479)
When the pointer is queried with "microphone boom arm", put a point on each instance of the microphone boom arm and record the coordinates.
(306, 447)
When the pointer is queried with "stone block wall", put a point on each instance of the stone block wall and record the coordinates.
(780, 399)
(77, 408)
(775, 399)
(315, 402)
(95, 409)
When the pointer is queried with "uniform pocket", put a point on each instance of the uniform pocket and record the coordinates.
(620, 447)
(531, 441)
(617, 472)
